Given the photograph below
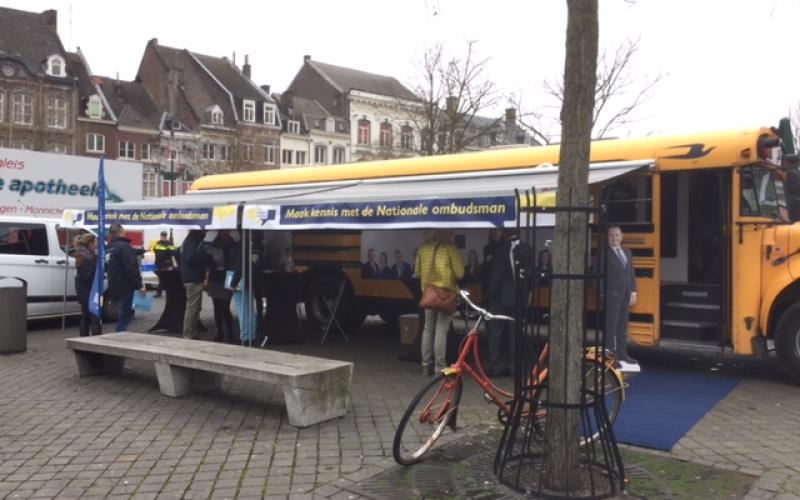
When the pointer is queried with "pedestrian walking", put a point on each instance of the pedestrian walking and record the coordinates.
(221, 252)
(86, 265)
(193, 264)
(124, 276)
(438, 263)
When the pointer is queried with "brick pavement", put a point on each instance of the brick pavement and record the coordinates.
(118, 437)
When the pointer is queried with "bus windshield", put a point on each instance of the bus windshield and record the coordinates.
(762, 194)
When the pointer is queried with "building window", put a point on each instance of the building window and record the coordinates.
(269, 154)
(208, 151)
(56, 112)
(386, 135)
(286, 156)
(248, 152)
(23, 109)
(320, 154)
(56, 66)
(224, 152)
(363, 131)
(95, 143)
(127, 150)
(147, 152)
(269, 114)
(406, 138)
(249, 111)
(59, 148)
(2, 106)
(149, 183)
(22, 144)
(94, 109)
(217, 118)
(293, 127)
(338, 155)
(300, 157)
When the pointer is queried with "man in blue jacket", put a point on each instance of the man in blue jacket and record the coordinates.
(124, 277)
(194, 262)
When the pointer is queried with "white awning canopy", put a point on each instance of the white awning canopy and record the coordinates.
(473, 199)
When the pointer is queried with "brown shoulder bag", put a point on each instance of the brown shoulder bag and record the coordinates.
(437, 298)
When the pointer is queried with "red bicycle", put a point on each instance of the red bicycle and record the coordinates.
(435, 407)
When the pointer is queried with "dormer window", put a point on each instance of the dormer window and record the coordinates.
(269, 114)
(293, 127)
(214, 115)
(249, 111)
(56, 66)
(94, 108)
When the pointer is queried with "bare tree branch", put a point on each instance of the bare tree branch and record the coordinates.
(617, 93)
(454, 92)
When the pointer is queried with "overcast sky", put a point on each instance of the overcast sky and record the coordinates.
(723, 63)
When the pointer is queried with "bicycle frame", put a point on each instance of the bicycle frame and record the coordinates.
(500, 397)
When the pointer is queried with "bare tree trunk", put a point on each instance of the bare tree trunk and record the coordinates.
(567, 302)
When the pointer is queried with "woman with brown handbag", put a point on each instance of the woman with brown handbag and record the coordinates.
(439, 266)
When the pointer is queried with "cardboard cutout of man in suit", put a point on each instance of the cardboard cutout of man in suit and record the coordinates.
(620, 296)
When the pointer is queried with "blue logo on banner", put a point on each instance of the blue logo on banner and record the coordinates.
(269, 215)
(494, 210)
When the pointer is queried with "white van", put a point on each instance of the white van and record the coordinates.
(33, 249)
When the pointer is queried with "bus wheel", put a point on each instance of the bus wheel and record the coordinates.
(321, 296)
(787, 341)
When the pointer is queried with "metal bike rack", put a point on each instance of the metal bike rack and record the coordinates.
(522, 456)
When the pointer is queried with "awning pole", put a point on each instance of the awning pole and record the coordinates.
(66, 280)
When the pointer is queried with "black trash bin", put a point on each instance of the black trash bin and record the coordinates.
(13, 315)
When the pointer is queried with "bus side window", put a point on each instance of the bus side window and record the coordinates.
(629, 203)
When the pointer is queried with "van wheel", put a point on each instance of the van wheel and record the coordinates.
(110, 313)
(321, 297)
(787, 341)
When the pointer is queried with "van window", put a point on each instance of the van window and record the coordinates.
(23, 239)
(67, 235)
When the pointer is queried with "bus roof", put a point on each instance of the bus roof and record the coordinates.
(679, 152)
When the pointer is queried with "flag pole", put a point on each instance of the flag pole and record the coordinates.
(95, 297)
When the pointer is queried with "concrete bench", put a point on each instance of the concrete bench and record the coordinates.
(314, 389)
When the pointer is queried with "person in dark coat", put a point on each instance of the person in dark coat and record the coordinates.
(86, 267)
(124, 276)
(194, 263)
(508, 254)
(221, 252)
(620, 296)
(400, 268)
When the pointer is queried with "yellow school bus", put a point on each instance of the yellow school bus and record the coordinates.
(708, 225)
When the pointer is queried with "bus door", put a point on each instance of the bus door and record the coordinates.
(695, 256)
(629, 205)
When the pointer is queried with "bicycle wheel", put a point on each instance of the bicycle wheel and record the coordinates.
(599, 379)
(433, 408)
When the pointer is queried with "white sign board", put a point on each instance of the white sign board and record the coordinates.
(38, 184)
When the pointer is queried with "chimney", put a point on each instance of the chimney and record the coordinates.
(511, 116)
(173, 81)
(246, 67)
(306, 58)
(51, 19)
(234, 58)
(265, 88)
(451, 104)
(287, 99)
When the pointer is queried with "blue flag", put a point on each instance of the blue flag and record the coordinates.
(95, 296)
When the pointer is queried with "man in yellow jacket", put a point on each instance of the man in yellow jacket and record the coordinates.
(445, 272)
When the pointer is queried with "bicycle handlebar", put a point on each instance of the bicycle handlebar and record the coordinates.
(483, 312)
